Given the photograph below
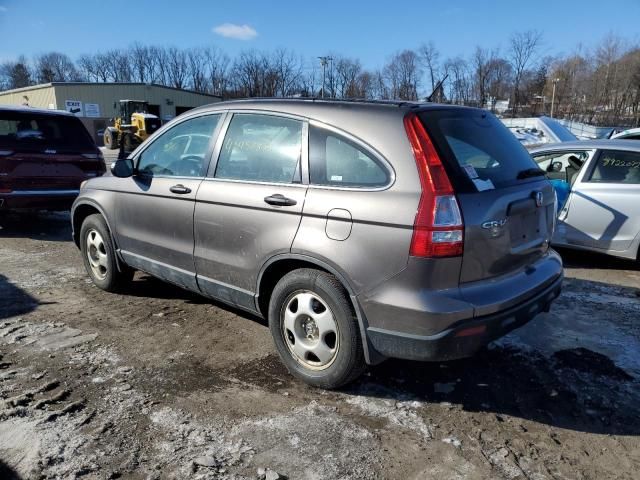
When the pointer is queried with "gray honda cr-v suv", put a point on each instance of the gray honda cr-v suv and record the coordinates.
(360, 230)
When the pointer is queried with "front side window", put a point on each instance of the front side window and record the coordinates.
(182, 150)
(339, 162)
(617, 167)
(261, 148)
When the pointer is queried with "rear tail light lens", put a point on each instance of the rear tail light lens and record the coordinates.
(438, 229)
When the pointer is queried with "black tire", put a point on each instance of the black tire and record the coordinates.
(105, 274)
(110, 139)
(348, 360)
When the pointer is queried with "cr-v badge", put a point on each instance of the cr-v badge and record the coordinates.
(494, 226)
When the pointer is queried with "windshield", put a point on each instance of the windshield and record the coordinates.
(477, 148)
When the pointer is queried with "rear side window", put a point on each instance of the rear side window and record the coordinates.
(261, 148)
(617, 167)
(35, 131)
(336, 161)
(477, 149)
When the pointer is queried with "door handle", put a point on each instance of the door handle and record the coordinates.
(280, 200)
(180, 189)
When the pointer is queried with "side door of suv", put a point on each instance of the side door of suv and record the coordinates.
(154, 211)
(249, 207)
(604, 211)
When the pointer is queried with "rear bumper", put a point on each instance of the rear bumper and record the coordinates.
(408, 317)
(464, 338)
(38, 199)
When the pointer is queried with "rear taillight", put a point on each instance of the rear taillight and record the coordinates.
(102, 168)
(438, 230)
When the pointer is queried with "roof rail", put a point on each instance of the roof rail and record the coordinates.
(396, 103)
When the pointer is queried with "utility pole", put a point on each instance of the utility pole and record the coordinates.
(553, 95)
(324, 61)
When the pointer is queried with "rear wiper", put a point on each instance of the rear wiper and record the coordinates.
(530, 172)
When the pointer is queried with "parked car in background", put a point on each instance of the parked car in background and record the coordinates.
(44, 157)
(535, 131)
(601, 179)
(631, 134)
(360, 230)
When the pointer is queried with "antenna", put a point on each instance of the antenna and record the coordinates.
(437, 87)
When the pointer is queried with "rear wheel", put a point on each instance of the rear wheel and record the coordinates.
(99, 256)
(315, 330)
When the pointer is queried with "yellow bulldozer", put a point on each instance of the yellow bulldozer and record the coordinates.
(134, 125)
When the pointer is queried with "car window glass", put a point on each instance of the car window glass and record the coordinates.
(617, 167)
(182, 150)
(261, 148)
(476, 147)
(336, 161)
(545, 161)
(35, 131)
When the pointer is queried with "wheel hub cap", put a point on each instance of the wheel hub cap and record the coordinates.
(97, 254)
(310, 330)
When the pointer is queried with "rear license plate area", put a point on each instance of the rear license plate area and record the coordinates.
(527, 227)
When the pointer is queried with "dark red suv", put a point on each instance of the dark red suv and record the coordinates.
(44, 157)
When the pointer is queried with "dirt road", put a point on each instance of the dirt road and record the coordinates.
(161, 383)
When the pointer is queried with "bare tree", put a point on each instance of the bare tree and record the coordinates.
(178, 67)
(161, 65)
(482, 61)
(499, 80)
(459, 83)
(142, 63)
(197, 69)
(522, 48)
(15, 74)
(430, 57)
(55, 67)
(87, 69)
(402, 73)
(287, 68)
(217, 63)
(347, 71)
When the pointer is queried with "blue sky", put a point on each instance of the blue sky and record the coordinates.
(369, 30)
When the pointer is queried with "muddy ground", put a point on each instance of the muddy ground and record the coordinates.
(161, 383)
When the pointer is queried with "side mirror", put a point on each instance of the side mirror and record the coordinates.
(122, 168)
(556, 166)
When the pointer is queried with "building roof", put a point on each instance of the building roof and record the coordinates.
(104, 84)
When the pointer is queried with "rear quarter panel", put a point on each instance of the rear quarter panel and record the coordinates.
(381, 225)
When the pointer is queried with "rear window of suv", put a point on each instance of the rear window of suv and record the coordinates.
(477, 149)
(38, 131)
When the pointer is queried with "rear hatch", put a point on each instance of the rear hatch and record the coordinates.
(506, 203)
(42, 151)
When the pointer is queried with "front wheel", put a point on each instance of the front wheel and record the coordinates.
(110, 139)
(315, 330)
(99, 256)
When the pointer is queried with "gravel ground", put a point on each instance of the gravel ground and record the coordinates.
(163, 384)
